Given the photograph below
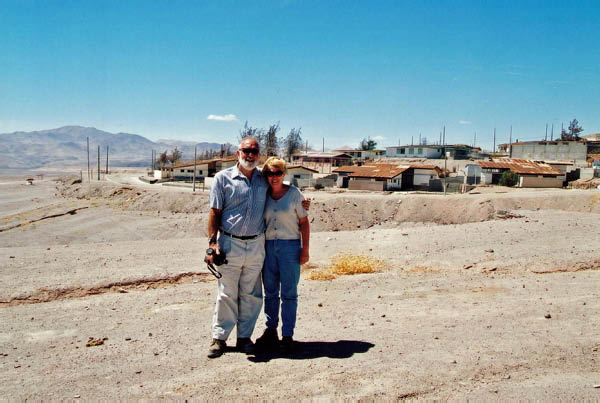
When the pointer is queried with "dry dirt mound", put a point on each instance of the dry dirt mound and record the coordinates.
(348, 211)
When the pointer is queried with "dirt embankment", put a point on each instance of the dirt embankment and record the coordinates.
(351, 211)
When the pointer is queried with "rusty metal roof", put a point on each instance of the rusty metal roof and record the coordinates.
(301, 166)
(384, 171)
(521, 167)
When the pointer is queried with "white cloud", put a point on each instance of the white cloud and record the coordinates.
(223, 118)
(379, 138)
(464, 122)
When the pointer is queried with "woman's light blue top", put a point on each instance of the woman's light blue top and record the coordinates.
(281, 216)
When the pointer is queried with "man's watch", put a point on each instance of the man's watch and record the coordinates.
(210, 251)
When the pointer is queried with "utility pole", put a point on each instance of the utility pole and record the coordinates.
(546, 136)
(510, 143)
(88, 157)
(98, 161)
(474, 139)
(494, 149)
(420, 138)
(412, 143)
(194, 180)
(106, 173)
(552, 132)
(445, 164)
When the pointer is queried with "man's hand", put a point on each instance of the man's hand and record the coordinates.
(306, 204)
(304, 256)
(209, 258)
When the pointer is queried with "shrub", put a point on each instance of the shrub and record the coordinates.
(318, 186)
(509, 178)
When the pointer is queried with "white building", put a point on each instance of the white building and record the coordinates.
(417, 151)
(361, 155)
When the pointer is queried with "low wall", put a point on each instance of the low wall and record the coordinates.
(537, 182)
(366, 185)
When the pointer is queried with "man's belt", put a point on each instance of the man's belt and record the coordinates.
(244, 237)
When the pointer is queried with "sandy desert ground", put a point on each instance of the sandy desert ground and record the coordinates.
(491, 295)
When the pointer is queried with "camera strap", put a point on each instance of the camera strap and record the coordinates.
(213, 270)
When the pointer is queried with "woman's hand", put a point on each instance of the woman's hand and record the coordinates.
(304, 255)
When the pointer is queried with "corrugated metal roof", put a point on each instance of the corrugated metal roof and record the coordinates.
(301, 166)
(321, 154)
(345, 168)
(522, 167)
(385, 171)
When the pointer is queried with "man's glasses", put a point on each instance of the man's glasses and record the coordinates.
(253, 151)
(271, 173)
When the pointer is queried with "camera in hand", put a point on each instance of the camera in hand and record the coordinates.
(218, 258)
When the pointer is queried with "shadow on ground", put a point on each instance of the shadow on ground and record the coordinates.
(305, 350)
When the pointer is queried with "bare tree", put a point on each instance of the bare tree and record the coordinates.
(174, 156)
(271, 142)
(293, 142)
(249, 131)
(162, 159)
(573, 131)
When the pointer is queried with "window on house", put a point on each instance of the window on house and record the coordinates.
(402, 151)
(411, 150)
(420, 151)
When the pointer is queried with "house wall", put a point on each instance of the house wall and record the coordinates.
(423, 176)
(413, 152)
(527, 181)
(486, 178)
(290, 176)
(366, 185)
(157, 174)
(394, 183)
(188, 172)
(562, 150)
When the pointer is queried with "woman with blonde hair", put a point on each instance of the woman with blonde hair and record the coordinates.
(287, 247)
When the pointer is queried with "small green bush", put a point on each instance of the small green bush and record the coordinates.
(318, 186)
(509, 178)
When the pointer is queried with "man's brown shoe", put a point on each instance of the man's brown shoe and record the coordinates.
(217, 348)
(244, 345)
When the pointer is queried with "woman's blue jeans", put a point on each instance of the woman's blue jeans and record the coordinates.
(282, 273)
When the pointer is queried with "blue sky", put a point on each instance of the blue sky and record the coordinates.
(341, 70)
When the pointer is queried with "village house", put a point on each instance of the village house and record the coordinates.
(323, 162)
(299, 175)
(386, 176)
(432, 151)
(361, 155)
(531, 174)
(185, 170)
(414, 151)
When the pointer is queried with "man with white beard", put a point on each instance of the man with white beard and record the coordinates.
(237, 206)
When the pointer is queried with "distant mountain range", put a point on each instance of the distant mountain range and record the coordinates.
(66, 146)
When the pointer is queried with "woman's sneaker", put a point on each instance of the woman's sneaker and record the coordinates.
(268, 341)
